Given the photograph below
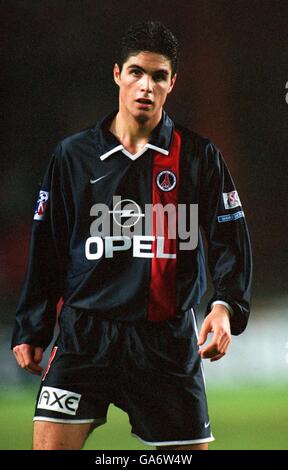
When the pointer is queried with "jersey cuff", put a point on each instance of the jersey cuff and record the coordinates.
(221, 302)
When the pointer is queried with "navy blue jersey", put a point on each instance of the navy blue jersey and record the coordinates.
(144, 276)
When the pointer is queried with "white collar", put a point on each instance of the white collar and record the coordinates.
(136, 155)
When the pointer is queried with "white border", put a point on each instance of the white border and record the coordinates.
(154, 147)
(97, 421)
(135, 155)
(197, 336)
(172, 443)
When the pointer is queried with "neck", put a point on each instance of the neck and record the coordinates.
(132, 132)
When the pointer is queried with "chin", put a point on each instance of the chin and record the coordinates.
(142, 118)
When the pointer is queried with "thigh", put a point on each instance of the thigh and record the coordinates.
(78, 384)
(56, 436)
(163, 383)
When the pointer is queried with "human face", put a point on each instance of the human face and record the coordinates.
(144, 83)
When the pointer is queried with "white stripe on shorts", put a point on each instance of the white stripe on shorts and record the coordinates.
(197, 336)
(97, 421)
(173, 443)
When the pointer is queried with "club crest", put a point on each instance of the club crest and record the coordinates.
(166, 180)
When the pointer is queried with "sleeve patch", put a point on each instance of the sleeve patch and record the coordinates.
(229, 217)
(41, 205)
(231, 200)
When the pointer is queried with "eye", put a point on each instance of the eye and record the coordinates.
(159, 77)
(136, 72)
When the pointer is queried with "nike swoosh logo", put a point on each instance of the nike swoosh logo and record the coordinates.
(98, 179)
(206, 425)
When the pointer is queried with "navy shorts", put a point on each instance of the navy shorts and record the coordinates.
(152, 371)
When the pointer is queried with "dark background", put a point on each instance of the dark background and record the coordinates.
(57, 62)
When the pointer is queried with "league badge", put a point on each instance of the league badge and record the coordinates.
(41, 205)
(231, 200)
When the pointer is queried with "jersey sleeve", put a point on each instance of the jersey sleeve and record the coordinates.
(229, 251)
(43, 285)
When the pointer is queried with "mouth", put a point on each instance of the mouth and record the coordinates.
(145, 102)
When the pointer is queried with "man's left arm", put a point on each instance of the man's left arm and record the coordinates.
(229, 255)
(218, 323)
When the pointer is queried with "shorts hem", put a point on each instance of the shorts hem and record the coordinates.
(96, 421)
(171, 443)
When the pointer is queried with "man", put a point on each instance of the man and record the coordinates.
(128, 333)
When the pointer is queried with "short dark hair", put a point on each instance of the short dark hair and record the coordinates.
(150, 36)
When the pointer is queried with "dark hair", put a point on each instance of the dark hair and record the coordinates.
(150, 36)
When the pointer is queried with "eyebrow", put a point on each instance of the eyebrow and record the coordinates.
(135, 66)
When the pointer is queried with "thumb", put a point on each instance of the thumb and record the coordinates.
(38, 354)
(203, 334)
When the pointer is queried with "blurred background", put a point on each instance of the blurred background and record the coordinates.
(57, 63)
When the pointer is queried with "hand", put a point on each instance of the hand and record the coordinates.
(28, 357)
(218, 322)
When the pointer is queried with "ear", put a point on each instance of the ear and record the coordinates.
(173, 80)
(116, 73)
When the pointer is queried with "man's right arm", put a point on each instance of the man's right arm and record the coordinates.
(43, 285)
(29, 357)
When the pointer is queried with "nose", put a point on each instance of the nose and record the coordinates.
(146, 83)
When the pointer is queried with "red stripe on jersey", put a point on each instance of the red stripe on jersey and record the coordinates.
(52, 355)
(162, 300)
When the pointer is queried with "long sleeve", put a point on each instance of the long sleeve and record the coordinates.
(229, 250)
(43, 285)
